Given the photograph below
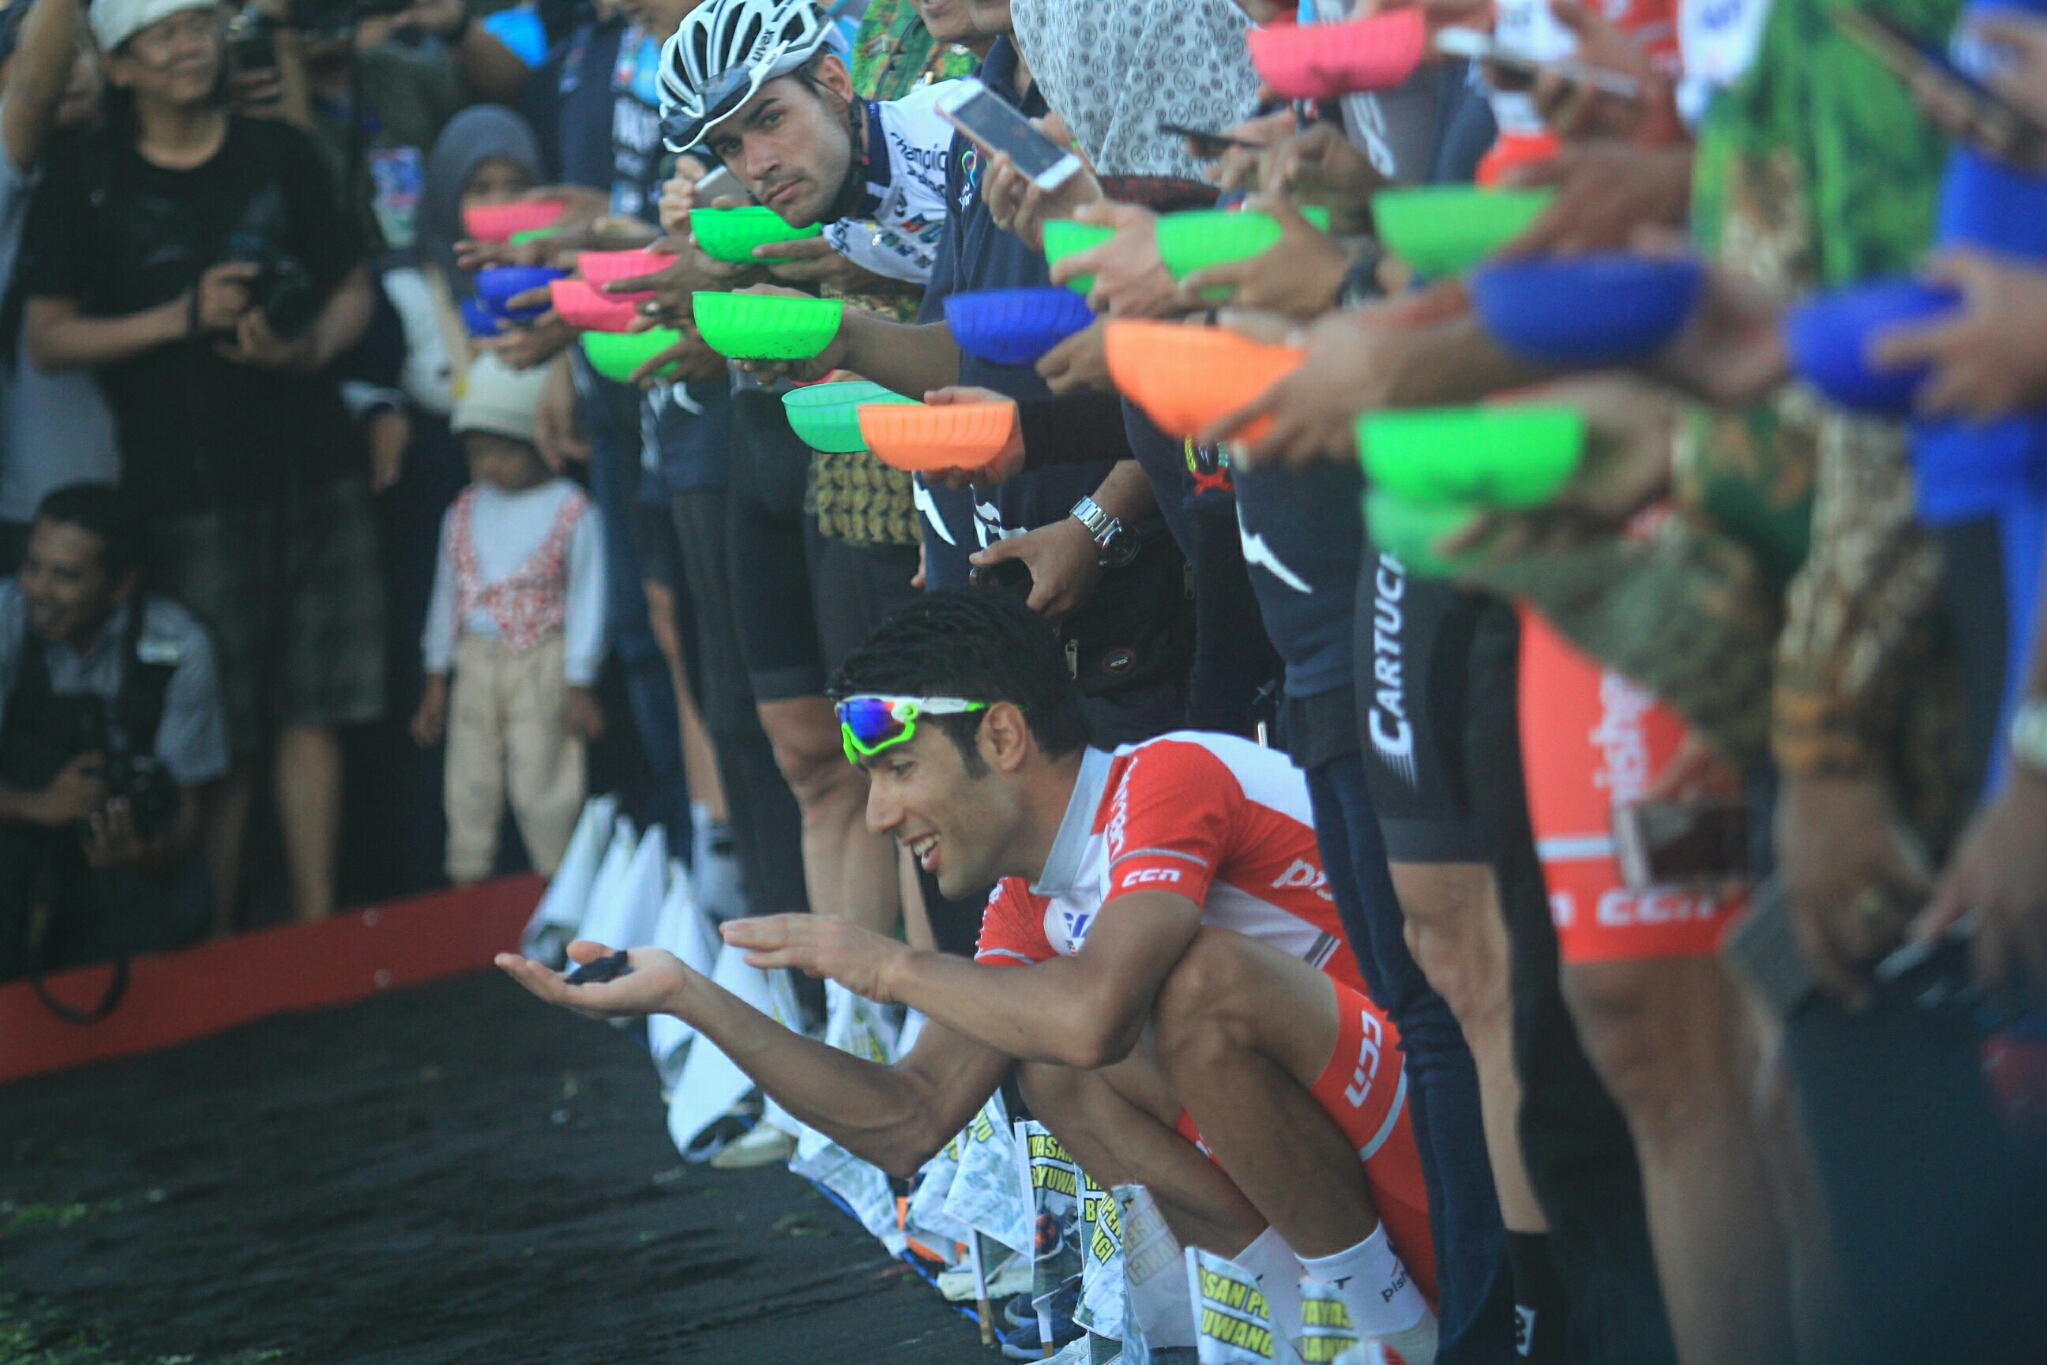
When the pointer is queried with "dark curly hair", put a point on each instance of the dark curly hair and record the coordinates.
(982, 644)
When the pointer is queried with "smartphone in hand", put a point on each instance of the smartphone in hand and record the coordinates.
(993, 123)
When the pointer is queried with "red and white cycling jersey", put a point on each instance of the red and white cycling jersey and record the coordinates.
(1210, 817)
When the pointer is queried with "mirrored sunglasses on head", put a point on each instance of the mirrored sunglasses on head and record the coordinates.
(870, 724)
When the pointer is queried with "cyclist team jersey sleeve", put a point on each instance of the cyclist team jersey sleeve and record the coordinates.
(1210, 817)
(902, 209)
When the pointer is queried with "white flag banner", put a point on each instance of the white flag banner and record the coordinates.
(568, 892)
(1326, 1330)
(863, 1185)
(1232, 1324)
(858, 1026)
(927, 1219)
(1101, 1261)
(711, 1084)
(612, 871)
(986, 1193)
(682, 929)
(1051, 1179)
(626, 914)
(1157, 1311)
(913, 1028)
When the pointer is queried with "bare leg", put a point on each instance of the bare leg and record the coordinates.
(1244, 1031)
(1118, 1124)
(851, 872)
(699, 759)
(227, 819)
(309, 812)
(1675, 1045)
(1458, 938)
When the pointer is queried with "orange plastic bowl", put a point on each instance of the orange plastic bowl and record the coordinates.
(916, 437)
(586, 310)
(1186, 377)
(602, 267)
(497, 222)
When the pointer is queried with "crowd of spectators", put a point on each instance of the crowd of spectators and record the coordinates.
(330, 569)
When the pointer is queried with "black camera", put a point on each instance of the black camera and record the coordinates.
(284, 292)
(149, 789)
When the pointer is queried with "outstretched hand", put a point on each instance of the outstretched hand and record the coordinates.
(858, 959)
(658, 983)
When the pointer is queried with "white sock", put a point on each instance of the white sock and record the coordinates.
(1381, 1297)
(1278, 1272)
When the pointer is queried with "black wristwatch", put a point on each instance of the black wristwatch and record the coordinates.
(1115, 543)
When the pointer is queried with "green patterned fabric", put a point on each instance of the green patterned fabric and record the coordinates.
(1818, 169)
(893, 53)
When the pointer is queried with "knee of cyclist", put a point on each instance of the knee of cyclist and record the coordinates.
(812, 768)
(1615, 1007)
(1201, 1008)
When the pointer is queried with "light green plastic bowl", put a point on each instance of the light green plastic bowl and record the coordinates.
(765, 326)
(615, 355)
(1492, 456)
(1063, 237)
(1409, 530)
(1196, 239)
(1445, 229)
(732, 234)
(827, 416)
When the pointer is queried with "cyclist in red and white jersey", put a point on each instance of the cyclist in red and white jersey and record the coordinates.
(1160, 961)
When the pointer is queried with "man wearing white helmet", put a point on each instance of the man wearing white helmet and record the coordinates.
(755, 83)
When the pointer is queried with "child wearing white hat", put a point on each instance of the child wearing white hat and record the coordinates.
(517, 615)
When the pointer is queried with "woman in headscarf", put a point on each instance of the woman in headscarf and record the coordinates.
(486, 155)
(1113, 72)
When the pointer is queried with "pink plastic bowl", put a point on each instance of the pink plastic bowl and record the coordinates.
(602, 267)
(586, 310)
(498, 222)
(1323, 61)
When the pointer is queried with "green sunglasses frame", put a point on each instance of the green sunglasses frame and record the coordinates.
(935, 706)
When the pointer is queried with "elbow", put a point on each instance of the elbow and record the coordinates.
(904, 1153)
(1100, 1042)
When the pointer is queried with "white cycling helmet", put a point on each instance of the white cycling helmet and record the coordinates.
(725, 51)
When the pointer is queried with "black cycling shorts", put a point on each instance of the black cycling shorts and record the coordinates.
(802, 602)
(1437, 672)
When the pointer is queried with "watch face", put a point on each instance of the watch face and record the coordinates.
(1121, 549)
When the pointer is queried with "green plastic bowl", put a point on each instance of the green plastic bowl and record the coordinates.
(1445, 229)
(1063, 237)
(827, 416)
(732, 234)
(1492, 456)
(1199, 238)
(1409, 530)
(615, 355)
(766, 326)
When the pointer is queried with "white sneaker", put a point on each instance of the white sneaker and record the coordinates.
(761, 1145)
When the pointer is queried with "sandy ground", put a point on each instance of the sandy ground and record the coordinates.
(450, 1174)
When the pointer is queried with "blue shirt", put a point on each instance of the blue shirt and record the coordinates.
(974, 255)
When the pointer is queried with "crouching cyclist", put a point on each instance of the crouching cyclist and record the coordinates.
(1160, 959)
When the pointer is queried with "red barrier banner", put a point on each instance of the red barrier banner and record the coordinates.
(175, 997)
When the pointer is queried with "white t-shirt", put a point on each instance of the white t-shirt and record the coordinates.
(55, 429)
(902, 212)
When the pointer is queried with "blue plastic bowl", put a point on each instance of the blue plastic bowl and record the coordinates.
(1015, 326)
(1828, 340)
(501, 283)
(478, 319)
(1587, 310)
